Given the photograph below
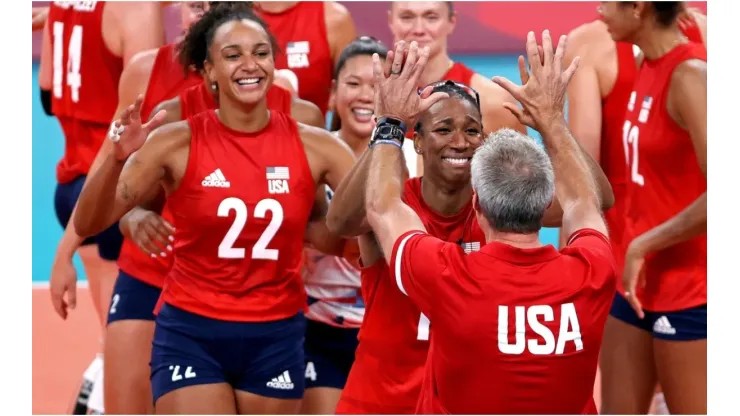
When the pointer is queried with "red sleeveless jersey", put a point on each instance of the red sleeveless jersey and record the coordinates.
(85, 91)
(304, 49)
(612, 151)
(168, 79)
(240, 213)
(387, 374)
(199, 98)
(663, 178)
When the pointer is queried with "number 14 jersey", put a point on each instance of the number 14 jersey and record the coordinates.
(240, 214)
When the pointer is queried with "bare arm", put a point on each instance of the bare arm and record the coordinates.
(687, 98)
(141, 27)
(575, 186)
(120, 185)
(386, 212)
(346, 214)
(45, 66)
(332, 159)
(307, 113)
(340, 28)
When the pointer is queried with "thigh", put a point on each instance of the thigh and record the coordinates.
(253, 404)
(320, 401)
(203, 399)
(182, 353)
(680, 349)
(626, 362)
(128, 349)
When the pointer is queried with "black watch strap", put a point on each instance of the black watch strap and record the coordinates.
(395, 122)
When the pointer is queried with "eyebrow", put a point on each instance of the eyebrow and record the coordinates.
(234, 45)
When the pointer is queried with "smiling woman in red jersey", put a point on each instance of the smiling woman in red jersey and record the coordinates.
(394, 337)
(657, 331)
(81, 93)
(430, 23)
(516, 326)
(240, 182)
(311, 35)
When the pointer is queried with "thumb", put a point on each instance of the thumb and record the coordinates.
(427, 102)
(509, 86)
(156, 121)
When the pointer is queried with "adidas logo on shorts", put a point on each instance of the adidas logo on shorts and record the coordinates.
(282, 382)
(216, 180)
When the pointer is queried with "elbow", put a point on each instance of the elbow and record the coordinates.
(335, 223)
(83, 227)
(607, 197)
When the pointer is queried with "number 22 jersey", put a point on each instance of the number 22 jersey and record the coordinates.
(240, 214)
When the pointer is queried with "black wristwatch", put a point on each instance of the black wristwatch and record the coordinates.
(389, 129)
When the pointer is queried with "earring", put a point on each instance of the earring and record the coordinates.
(214, 86)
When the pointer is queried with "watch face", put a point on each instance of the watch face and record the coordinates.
(385, 130)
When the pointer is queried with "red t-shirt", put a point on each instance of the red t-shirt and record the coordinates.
(512, 330)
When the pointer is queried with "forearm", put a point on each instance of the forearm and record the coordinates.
(574, 178)
(604, 189)
(384, 180)
(346, 216)
(319, 237)
(687, 224)
(98, 204)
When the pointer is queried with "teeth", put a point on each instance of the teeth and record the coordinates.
(363, 112)
(248, 81)
(456, 161)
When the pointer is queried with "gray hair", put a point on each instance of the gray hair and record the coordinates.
(514, 181)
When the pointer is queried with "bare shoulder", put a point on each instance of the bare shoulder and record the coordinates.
(490, 92)
(171, 136)
(142, 63)
(693, 69)
(306, 112)
(172, 107)
(314, 136)
(588, 41)
(336, 15)
(126, 10)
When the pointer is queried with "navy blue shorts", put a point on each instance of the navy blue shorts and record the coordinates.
(263, 358)
(330, 353)
(684, 325)
(109, 241)
(132, 299)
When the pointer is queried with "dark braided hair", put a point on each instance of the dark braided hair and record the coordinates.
(193, 51)
(458, 93)
(362, 46)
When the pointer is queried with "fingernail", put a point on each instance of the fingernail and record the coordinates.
(171, 238)
(163, 254)
(169, 248)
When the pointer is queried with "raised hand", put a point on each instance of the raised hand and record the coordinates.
(128, 133)
(396, 83)
(542, 93)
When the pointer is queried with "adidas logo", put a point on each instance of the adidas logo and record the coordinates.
(216, 180)
(662, 326)
(281, 382)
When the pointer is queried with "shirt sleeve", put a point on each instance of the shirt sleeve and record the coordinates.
(595, 246)
(417, 264)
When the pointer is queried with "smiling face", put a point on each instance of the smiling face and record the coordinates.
(451, 130)
(241, 61)
(354, 95)
(427, 22)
